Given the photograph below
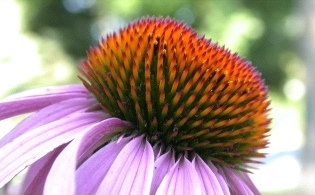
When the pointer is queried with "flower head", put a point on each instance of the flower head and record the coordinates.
(164, 111)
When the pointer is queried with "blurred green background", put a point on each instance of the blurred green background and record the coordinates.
(42, 42)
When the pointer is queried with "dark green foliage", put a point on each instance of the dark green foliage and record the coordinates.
(52, 20)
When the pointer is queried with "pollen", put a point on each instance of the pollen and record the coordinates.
(181, 90)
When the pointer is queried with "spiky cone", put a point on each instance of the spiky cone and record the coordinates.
(171, 113)
(181, 90)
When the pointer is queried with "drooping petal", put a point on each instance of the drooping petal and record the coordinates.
(209, 181)
(46, 115)
(246, 179)
(236, 183)
(157, 149)
(221, 178)
(162, 166)
(96, 167)
(132, 170)
(29, 147)
(60, 179)
(87, 140)
(52, 90)
(181, 179)
(98, 134)
(33, 182)
(36, 99)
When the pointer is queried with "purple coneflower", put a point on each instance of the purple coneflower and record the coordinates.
(162, 111)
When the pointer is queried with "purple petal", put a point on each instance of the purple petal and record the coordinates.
(161, 167)
(46, 115)
(66, 163)
(132, 170)
(36, 175)
(221, 178)
(235, 181)
(246, 179)
(182, 179)
(33, 100)
(209, 181)
(97, 166)
(29, 147)
(99, 133)
(157, 149)
(44, 91)
(60, 179)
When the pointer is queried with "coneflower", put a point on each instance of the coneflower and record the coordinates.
(162, 111)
